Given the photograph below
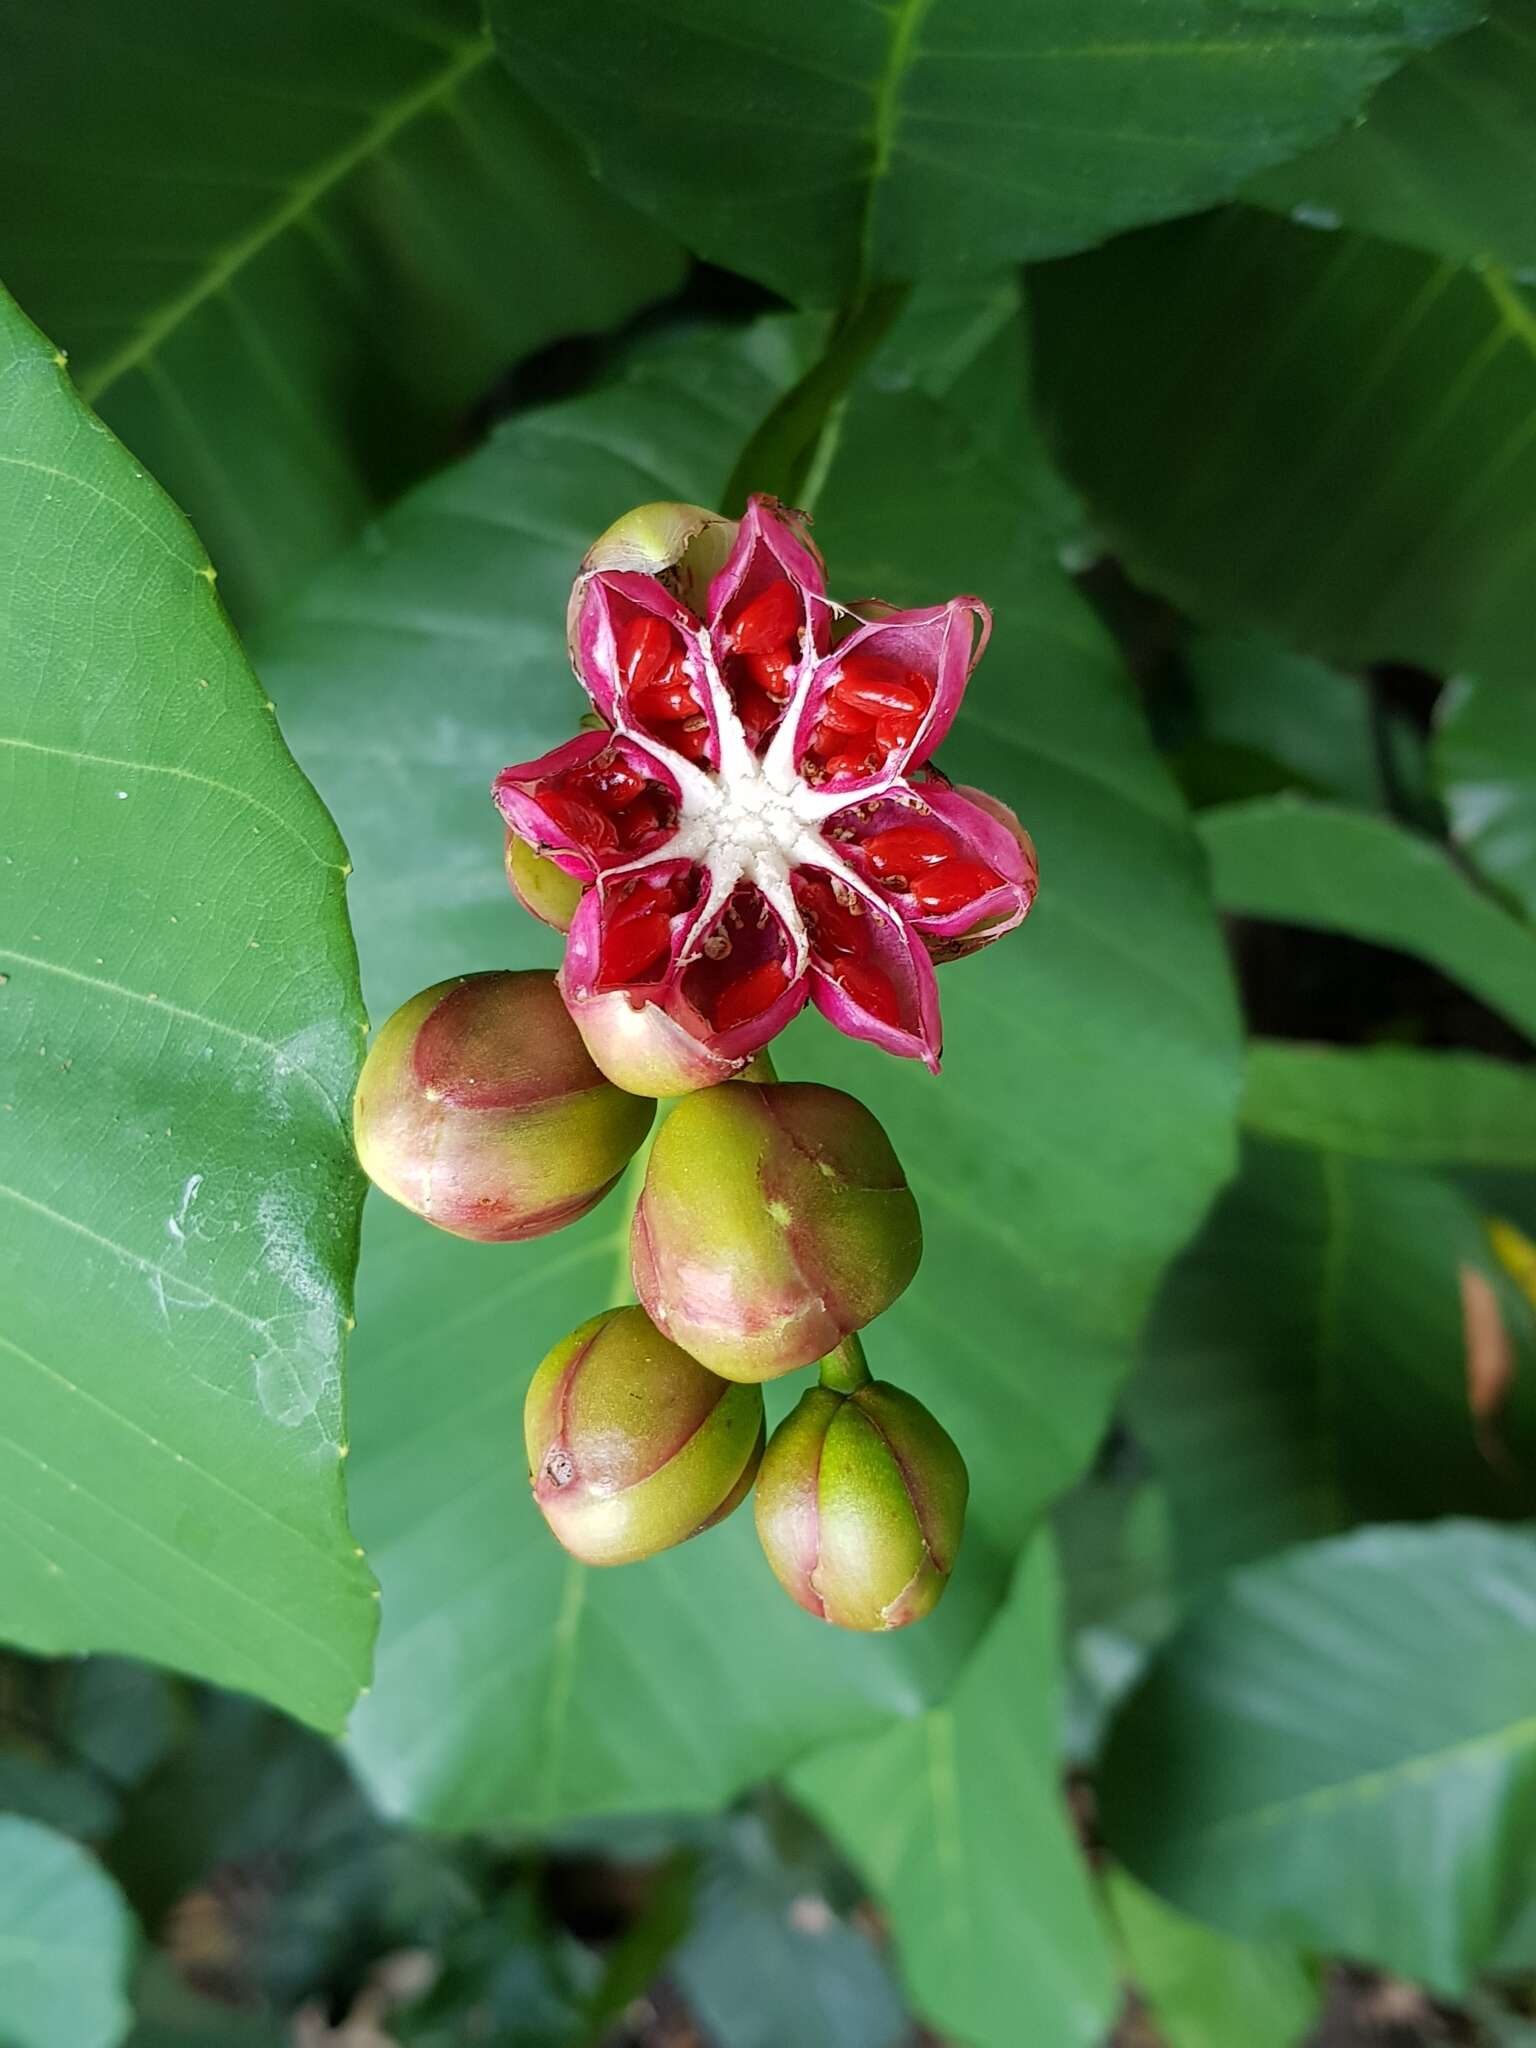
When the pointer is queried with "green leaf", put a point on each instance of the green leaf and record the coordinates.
(1206, 1990)
(1339, 1345)
(1333, 870)
(285, 253)
(959, 1824)
(818, 146)
(1392, 1103)
(1082, 1122)
(1337, 1750)
(1114, 1543)
(1445, 158)
(1485, 763)
(181, 1032)
(1314, 433)
(66, 1943)
(1310, 724)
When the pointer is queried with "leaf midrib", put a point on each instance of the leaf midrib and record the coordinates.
(1340, 1793)
(906, 18)
(301, 199)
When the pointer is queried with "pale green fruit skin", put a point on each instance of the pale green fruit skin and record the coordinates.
(478, 1108)
(860, 1507)
(775, 1219)
(643, 1051)
(545, 891)
(685, 545)
(632, 1446)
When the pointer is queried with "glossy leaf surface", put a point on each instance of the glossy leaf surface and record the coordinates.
(828, 143)
(180, 1028)
(287, 250)
(1395, 1823)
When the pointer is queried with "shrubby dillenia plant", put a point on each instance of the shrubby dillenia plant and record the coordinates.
(1198, 340)
(756, 819)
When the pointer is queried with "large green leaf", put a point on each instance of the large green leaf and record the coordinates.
(180, 1029)
(1392, 1103)
(1485, 763)
(1338, 1750)
(1446, 156)
(66, 1943)
(1334, 870)
(959, 1824)
(1206, 1990)
(286, 249)
(1255, 718)
(1079, 1128)
(1310, 1362)
(822, 143)
(1114, 1540)
(1319, 433)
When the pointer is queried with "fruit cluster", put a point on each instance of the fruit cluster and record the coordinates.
(757, 822)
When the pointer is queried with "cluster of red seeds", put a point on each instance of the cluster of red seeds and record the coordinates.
(760, 645)
(658, 689)
(873, 707)
(921, 861)
(637, 935)
(608, 806)
(841, 930)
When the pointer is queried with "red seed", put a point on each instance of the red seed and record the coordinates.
(580, 820)
(771, 672)
(637, 821)
(904, 849)
(665, 701)
(764, 622)
(870, 988)
(850, 763)
(835, 928)
(952, 885)
(756, 710)
(895, 729)
(633, 943)
(749, 995)
(691, 740)
(843, 718)
(871, 684)
(648, 651)
(609, 782)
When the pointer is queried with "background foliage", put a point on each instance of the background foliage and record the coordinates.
(1201, 343)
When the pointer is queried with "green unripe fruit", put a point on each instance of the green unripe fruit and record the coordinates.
(546, 891)
(632, 1445)
(860, 1506)
(775, 1219)
(479, 1108)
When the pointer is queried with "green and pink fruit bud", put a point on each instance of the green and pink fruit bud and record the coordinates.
(860, 1506)
(774, 1221)
(544, 890)
(632, 1445)
(479, 1109)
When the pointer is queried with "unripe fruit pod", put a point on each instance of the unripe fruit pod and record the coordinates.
(479, 1108)
(547, 892)
(632, 1445)
(641, 1049)
(775, 1219)
(860, 1506)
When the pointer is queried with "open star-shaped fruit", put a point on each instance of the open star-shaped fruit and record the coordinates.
(759, 818)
